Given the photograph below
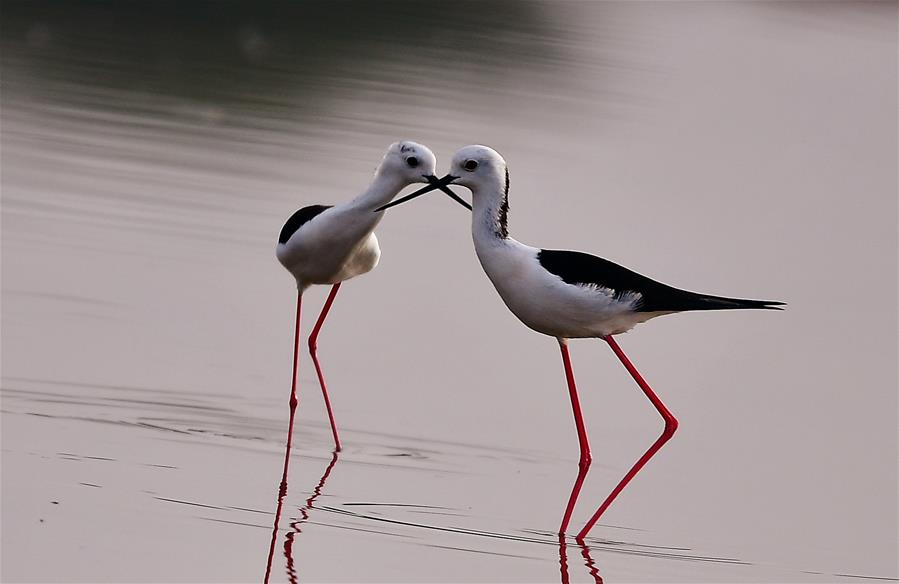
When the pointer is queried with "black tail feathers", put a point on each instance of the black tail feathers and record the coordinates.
(706, 302)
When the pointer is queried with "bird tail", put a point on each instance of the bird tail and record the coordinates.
(692, 301)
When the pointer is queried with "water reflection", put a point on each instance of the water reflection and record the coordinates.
(282, 492)
(591, 565)
(295, 526)
(585, 553)
(563, 559)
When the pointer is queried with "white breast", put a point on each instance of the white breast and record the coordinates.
(333, 246)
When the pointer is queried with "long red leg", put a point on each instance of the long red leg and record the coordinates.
(313, 346)
(584, 463)
(282, 490)
(667, 433)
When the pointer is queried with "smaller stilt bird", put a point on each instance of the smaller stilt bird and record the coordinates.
(325, 244)
(568, 294)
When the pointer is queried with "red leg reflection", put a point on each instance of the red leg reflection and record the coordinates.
(584, 462)
(563, 562)
(304, 516)
(563, 559)
(667, 433)
(313, 346)
(591, 565)
(282, 490)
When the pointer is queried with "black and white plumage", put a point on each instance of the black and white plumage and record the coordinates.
(582, 269)
(565, 294)
(323, 244)
(569, 294)
(298, 219)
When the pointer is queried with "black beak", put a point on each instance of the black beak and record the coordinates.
(434, 183)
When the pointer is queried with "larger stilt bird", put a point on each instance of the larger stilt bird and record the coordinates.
(568, 294)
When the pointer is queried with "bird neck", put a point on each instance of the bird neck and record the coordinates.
(381, 191)
(490, 211)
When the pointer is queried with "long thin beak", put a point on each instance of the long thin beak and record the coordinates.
(434, 184)
(446, 180)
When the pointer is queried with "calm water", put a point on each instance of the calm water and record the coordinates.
(151, 152)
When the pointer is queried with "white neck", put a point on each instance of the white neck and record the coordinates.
(382, 190)
(488, 213)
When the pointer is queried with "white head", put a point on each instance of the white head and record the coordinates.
(481, 169)
(409, 162)
(486, 175)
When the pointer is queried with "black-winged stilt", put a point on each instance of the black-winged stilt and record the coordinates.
(324, 244)
(568, 294)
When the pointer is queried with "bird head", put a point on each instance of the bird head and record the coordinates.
(477, 167)
(411, 161)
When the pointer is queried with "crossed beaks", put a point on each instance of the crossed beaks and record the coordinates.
(434, 184)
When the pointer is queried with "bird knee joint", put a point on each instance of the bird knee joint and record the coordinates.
(671, 425)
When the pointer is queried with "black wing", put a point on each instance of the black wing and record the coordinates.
(298, 219)
(583, 269)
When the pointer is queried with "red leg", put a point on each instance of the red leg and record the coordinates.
(313, 346)
(584, 463)
(667, 433)
(282, 490)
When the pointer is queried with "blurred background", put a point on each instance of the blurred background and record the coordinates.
(151, 152)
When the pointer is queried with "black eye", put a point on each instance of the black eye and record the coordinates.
(470, 165)
(412, 161)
